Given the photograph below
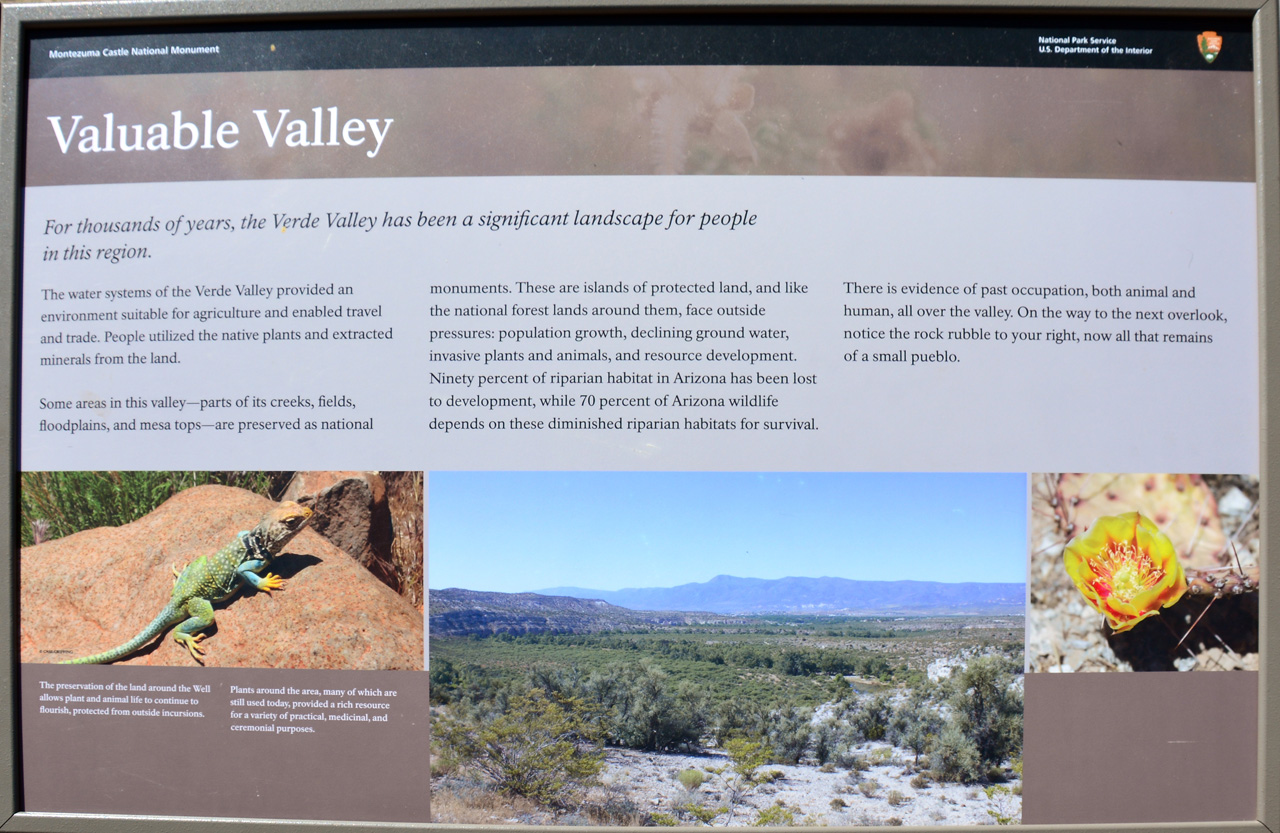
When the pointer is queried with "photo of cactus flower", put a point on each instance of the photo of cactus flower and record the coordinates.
(1143, 572)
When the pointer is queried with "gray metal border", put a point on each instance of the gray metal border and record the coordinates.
(16, 20)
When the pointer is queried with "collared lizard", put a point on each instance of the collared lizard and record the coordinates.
(216, 578)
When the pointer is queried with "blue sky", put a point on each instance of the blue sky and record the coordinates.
(520, 531)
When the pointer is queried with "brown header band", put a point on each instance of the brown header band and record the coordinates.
(774, 120)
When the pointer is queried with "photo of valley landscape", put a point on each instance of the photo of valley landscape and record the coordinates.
(717, 649)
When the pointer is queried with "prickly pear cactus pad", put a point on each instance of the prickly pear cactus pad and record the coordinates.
(1185, 545)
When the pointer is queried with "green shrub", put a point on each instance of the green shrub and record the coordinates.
(441, 766)
(775, 816)
(789, 734)
(1004, 807)
(742, 774)
(740, 717)
(746, 757)
(691, 779)
(869, 788)
(826, 740)
(702, 814)
(540, 748)
(73, 501)
(444, 681)
(871, 720)
(955, 757)
(895, 798)
(648, 711)
(988, 710)
(914, 725)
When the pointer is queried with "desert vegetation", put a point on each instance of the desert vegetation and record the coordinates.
(765, 720)
(55, 504)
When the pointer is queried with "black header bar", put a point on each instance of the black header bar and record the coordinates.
(1081, 41)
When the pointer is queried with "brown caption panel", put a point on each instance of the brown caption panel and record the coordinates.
(189, 766)
(1152, 747)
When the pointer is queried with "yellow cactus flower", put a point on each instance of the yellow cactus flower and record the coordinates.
(1126, 568)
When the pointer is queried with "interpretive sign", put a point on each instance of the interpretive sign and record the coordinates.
(791, 411)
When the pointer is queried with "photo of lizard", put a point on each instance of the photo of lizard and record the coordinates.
(102, 550)
(216, 578)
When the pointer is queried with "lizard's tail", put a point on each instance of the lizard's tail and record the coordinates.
(167, 617)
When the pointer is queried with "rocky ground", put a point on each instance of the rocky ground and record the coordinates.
(636, 786)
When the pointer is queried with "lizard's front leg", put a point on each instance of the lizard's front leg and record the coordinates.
(249, 572)
(200, 616)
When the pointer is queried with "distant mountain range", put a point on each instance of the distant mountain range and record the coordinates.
(455, 612)
(730, 595)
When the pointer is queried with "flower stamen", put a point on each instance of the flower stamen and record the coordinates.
(1124, 571)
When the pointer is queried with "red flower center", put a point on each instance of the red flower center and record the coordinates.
(1124, 570)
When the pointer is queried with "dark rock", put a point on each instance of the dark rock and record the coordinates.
(351, 511)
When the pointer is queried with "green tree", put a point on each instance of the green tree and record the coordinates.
(648, 712)
(796, 664)
(826, 740)
(545, 749)
(742, 774)
(740, 717)
(954, 756)
(915, 724)
(789, 731)
(871, 720)
(444, 681)
(987, 708)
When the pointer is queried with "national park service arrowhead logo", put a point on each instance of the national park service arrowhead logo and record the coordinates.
(1210, 44)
